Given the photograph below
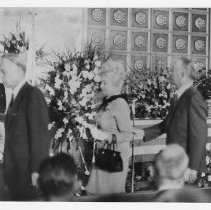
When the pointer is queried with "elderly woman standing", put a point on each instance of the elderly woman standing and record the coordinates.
(113, 119)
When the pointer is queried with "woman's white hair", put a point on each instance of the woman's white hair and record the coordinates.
(117, 68)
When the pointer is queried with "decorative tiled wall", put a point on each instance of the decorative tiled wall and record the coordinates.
(149, 37)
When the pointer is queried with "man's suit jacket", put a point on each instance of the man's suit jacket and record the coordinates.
(27, 138)
(186, 125)
(2, 98)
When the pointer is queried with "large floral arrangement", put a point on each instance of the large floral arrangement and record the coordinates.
(152, 90)
(70, 90)
(17, 42)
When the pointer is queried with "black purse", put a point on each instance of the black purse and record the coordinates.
(108, 160)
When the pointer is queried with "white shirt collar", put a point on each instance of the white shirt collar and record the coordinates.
(182, 89)
(16, 90)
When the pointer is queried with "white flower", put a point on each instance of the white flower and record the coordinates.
(207, 160)
(95, 57)
(74, 85)
(208, 146)
(97, 79)
(87, 66)
(50, 89)
(65, 95)
(98, 63)
(50, 125)
(168, 86)
(59, 133)
(75, 69)
(149, 82)
(48, 100)
(67, 66)
(90, 116)
(83, 102)
(85, 74)
(87, 173)
(96, 71)
(58, 82)
(59, 103)
(65, 121)
(203, 174)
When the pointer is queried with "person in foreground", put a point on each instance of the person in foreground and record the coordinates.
(27, 138)
(186, 122)
(170, 166)
(113, 120)
(58, 178)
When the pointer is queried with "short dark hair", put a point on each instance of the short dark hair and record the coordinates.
(57, 175)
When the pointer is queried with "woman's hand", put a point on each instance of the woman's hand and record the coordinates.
(99, 134)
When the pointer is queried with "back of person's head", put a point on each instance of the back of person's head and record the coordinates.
(171, 163)
(185, 195)
(188, 67)
(58, 175)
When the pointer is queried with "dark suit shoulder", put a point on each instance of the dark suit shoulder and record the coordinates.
(197, 96)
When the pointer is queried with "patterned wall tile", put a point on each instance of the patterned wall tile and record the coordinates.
(199, 23)
(118, 40)
(138, 62)
(140, 18)
(180, 44)
(198, 45)
(160, 19)
(139, 41)
(160, 42)
(96, 16)
(180, 21)
(97, 36)
(119, 16)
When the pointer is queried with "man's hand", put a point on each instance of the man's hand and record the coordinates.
(190, 176)
(34, 177)
(138, 133)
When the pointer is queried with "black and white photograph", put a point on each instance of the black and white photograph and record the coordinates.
(105, 104)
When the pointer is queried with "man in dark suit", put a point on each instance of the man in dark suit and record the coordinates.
(2, 115)
(26, 127)
(186, 122)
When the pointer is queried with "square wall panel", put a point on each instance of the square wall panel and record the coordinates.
(97, 16)
(97, 36)
(160, 19)
(198, 45)
(118, 40)
(139, 41)
(180, 21)
(140, 17)
(119, 16)
(160, 42)
(138, 62)
(199, 23)
(180, 44)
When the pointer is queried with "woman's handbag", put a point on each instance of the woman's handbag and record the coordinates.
(108, 160)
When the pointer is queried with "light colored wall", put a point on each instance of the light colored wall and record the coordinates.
(58, 28)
